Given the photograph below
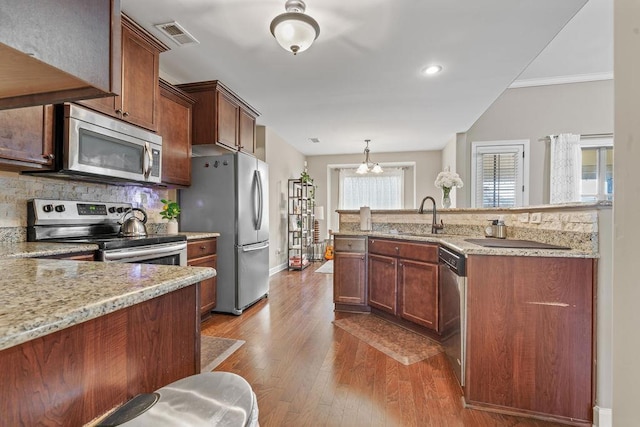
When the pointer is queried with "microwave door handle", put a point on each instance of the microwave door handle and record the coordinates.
(148, 161)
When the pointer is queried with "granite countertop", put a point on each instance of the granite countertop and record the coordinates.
(39, 249)
(459, 244)
(194, 235)
(41, 296)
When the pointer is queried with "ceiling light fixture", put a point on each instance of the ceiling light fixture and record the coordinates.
(368, 166)
(294, 30)
(433, 69)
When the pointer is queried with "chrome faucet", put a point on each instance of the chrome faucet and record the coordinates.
(434, 226)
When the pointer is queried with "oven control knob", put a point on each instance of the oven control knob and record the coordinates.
(47, 208)
(60, 208)
(120, 210)
(112, 209)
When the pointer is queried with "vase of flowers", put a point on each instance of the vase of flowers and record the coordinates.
(170, 212)
(446, 180)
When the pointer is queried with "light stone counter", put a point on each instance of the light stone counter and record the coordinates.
(459, 244)
(194, 235)
(38, 249)
(41, 296)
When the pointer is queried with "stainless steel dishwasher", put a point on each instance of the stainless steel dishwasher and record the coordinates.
(453, 286)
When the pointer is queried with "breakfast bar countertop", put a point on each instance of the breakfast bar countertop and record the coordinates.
(41, 296)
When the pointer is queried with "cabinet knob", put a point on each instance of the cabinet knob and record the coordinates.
(202, 248)
(49, 156)
(125, 114)
(397, 249)
(118, 111)
(349, 244)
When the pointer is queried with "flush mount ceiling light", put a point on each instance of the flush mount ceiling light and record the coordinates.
(433, 69)
(368, 166)
(294, 30)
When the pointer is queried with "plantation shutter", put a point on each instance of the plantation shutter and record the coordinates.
(499, 176)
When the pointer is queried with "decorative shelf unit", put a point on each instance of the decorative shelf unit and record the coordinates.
(300, 223)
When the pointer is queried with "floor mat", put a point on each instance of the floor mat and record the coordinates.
(214, 350)
(327, 267)
(401, 344)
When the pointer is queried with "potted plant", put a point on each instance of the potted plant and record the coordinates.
(170, 212)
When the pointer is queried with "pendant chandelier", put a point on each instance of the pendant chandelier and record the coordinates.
(294, 30)
(368, 166)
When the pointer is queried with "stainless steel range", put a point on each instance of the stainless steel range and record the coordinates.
(99, 222)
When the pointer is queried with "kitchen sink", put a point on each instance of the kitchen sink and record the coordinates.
(513, 243)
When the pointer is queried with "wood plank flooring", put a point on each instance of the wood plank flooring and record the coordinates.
(307, 372)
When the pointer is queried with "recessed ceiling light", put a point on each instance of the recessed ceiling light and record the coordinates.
(433, 69)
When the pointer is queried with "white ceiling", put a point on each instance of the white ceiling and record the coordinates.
(361, 78)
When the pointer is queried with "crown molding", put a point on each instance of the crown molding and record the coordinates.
(576, 78)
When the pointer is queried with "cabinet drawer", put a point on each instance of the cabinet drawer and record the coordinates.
(418, 251)
(200, 248)
(349, 244)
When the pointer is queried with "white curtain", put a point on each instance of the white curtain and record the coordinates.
(378, 191)
(565, 168)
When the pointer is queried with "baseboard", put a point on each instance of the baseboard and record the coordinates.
(277, 269)
(602, 417)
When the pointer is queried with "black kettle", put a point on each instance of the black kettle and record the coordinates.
(133, 226)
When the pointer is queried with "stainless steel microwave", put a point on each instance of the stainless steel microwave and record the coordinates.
(91, 146)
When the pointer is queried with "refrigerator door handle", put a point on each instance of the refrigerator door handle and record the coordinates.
(255, 248)
(258, 180)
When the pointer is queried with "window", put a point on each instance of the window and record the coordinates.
(499, 174)
(378, 191)
(596, 171)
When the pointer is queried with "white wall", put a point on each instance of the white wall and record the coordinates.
(428, 164)
(284, 162)
(626, 277)
(533, 113)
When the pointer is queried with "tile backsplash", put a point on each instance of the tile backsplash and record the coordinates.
(16, 189)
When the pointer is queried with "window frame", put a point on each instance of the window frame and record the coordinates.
(600, 143)
(501, 146)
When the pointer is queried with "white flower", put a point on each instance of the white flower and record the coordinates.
(448, 179)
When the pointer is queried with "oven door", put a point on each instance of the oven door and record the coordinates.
(166, 254)
(98, 145)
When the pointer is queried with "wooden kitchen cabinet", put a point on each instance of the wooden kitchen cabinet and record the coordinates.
(26, 138)
(530, 329)
(383, 283)
(349, 273)
(202, 253)
(139, 76)
(174, 125)
(221, 117)
(403, 281)
(52, 53)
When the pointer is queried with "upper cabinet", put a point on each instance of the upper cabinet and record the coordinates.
(26, 138)
(54, 52)
(174, 125)
(221, 117)
(139, 76)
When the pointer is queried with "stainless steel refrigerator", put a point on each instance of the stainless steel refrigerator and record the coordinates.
(229, 195)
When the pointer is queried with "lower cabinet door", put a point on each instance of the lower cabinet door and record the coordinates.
(208, 286)
(418, 287)
(383, 272)
(349, 278)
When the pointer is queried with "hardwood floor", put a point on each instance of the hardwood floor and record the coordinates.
(307, 372)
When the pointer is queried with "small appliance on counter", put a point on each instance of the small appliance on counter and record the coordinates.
(497, 229)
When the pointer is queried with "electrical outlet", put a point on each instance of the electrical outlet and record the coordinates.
(535, 218)
(523, 217)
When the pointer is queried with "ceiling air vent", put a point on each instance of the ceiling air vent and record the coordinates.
(314, 140)
(175, 32)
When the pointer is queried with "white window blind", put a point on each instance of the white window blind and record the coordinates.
(498, 176)
(378, 191)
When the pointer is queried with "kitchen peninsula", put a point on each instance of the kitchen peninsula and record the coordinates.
(528, 315)
(78, 338)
